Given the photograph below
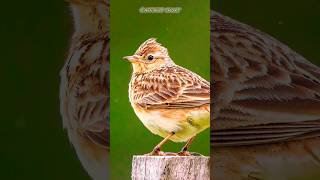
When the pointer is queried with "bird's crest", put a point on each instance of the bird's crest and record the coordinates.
(151, 45)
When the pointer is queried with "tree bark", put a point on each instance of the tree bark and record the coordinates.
(170, 168)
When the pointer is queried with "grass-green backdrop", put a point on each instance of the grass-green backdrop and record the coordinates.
(186, 35)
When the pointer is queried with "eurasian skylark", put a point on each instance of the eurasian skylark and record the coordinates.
(266, 105)
(171, 101)
(84, 97)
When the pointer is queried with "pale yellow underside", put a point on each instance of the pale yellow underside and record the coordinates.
(186, 122)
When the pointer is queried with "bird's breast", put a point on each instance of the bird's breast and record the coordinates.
(184, 122)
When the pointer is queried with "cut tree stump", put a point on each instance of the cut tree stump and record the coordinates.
(170, 168)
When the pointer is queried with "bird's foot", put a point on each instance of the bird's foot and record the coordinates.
(171, 154)
(187, 153)
(184, 153)
(156, 152)
(161, 153)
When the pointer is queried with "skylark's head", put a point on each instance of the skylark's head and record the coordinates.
(149, 55)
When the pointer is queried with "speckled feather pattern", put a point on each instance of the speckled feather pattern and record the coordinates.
(84, 87)
(85, 90)
(169, 86)
(265, 106)
(262, 91)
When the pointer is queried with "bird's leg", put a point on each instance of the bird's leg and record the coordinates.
(157, 149)
(184, 151)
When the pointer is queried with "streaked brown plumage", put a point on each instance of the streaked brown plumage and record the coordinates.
(265, 96)
(84, 97)
(171, 101)
(169, 87)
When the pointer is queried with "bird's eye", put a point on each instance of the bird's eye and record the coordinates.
(150, 57)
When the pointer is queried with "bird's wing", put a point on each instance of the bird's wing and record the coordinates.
(84, 92)
(170, 87)
(267, 133)
(258, 81)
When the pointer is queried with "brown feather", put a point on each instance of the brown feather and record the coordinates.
(169, 86)
(258, 81)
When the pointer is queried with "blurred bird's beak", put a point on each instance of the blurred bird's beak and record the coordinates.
(132, 59)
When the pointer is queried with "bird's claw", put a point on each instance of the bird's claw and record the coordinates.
(156, 152)
(184, 153)
(159, 153)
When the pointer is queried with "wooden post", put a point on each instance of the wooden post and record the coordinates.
(170, 168)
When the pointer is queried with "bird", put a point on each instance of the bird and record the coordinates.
(84, 86)
(170, 101)
(265, 116)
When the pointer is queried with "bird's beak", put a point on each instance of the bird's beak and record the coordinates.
(133, 58)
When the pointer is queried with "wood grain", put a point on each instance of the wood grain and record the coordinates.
(170, 167)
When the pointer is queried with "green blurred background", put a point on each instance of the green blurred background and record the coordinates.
(35, 37)
(186, 35)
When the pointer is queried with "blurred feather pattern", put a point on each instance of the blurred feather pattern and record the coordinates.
(265, 103)
(84, 88)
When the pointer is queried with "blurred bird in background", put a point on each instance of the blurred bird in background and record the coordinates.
(84, 88)
(265, 106)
